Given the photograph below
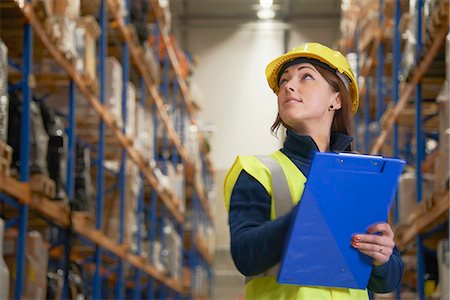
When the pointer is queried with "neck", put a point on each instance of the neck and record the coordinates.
(320, 135)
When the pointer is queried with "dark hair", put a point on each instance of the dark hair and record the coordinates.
(343, 119)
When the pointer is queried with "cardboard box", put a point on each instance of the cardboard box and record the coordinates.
(36, 264)
(87, 33)
(66, 8)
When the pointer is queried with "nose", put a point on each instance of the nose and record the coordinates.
(289, 86)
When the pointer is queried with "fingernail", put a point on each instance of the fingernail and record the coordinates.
(355, 244)
(357, 238)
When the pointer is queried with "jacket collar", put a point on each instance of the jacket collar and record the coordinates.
(303, 146)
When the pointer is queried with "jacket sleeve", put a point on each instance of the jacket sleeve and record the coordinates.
(256, 242)
(386, 278)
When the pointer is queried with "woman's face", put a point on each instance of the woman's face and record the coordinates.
(305, 97)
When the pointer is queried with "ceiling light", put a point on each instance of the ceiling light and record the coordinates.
(266, 3)
(265, 14)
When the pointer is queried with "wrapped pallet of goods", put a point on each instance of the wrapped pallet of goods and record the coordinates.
(113, 89)
(61, 23)
(3, 92)
(87, 32)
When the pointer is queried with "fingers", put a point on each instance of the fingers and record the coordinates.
(378, 246)
(384, 228)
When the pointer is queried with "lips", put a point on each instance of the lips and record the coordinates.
(289, 100)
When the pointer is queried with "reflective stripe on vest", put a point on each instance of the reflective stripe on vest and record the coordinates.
(281, 200)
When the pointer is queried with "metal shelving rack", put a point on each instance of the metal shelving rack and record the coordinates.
(427, 218)
(147, 280)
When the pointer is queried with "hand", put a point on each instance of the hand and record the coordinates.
(378, 246)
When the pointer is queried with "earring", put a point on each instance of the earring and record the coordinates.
(330, 108)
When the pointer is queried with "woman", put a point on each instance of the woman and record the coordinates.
(317, 93)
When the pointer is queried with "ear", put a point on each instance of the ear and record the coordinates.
(336, 101)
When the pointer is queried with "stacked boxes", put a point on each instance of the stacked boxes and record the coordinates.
(62, 16)
(113, 97)
(36, 264)
(87, 32)
(144, 133)
(131, 111)
(3, 92)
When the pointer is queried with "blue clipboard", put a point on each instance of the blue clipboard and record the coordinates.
(344, 194)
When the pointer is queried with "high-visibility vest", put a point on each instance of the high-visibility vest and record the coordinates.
(265, 286)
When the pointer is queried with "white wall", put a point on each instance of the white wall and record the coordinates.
(237, 98)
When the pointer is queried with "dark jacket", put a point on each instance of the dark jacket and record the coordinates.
(257, 243)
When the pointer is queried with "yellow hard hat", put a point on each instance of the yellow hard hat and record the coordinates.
(331, 58)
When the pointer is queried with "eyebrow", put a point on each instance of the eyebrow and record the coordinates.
(300, 68)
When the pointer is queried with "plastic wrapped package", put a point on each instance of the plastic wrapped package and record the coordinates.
(155, 256)
(134, 218)
(3, 118)
(38, 136)
(210, 239)
(83, 183)
(113, 97)
(443, 257)
(131, 110)
(57, 149)
(441, 167)
(4, 271)
(121, 7)
(62, 31)
(410, 37)
(111, 217)
(151, 63)
(3, 92)
(144, 133)
(200, 278)
(67, 8)
(35, 266)
(171, 252)
(166, 14)
(177, 185)
(87, 32)
(139, 11)
(407, 194)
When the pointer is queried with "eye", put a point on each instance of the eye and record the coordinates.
(282, 81)
(307, 76)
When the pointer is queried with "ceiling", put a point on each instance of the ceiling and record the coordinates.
(289, 11)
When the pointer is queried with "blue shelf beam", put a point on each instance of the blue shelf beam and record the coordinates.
(24, 155)
(419, 154)
(103, 48)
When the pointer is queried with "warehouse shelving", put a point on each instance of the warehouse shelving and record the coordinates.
(83, 226)
(383, 113)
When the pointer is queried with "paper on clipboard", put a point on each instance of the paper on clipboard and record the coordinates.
(344, 195)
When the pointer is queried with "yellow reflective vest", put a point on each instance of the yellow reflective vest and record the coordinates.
(265, 286)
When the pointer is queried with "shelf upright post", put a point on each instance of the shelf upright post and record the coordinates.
(97, 289)
(70, 182)
(357, 118)
(24, 155)
(176, 91)
(71, 142)
(152, 239)
(395, 75)
(380, 67)
(139, 220)
(366, 116)
(419, 154)
(123, 159)
(140, 208)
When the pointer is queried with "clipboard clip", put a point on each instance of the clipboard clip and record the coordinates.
(369, 163)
